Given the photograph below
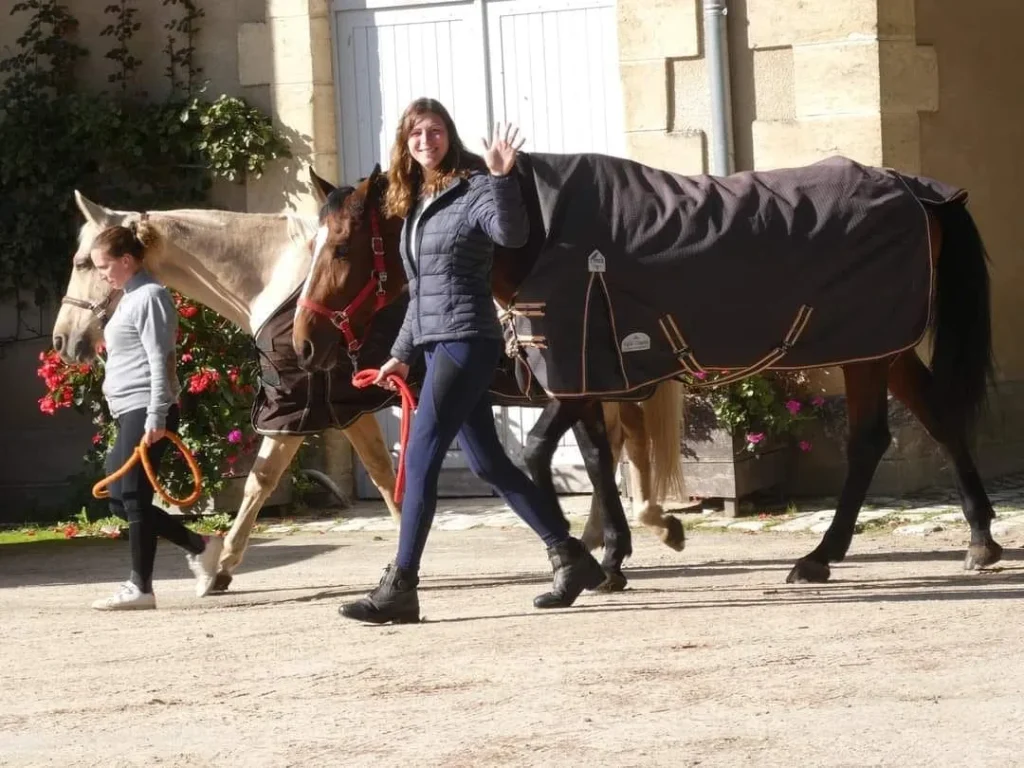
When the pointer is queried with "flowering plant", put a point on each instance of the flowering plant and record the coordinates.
(216, 369)
(761, 409)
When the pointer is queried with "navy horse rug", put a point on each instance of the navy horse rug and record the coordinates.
(291, 401)
(643, 275)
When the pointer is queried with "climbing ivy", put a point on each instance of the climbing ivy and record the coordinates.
(118, 146)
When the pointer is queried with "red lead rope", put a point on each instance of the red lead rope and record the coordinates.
(363, 379)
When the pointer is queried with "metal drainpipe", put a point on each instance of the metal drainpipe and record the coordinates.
(716, 51)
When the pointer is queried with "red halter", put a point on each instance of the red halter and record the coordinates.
(340, 319)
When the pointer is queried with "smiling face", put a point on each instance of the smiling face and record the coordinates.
(428, 141)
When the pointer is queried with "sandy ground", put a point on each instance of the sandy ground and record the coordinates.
(708, 659)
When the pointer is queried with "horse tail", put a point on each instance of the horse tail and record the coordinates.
(662, 422)
(962, 366)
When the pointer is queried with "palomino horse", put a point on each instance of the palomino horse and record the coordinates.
(244, 266)
(357, 244)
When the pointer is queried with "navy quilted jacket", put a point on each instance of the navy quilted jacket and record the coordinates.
(450, 275)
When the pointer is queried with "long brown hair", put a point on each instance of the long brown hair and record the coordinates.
(405, 177)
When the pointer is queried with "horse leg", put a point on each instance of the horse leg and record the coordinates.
(554, 421)
(592, 438)
(668, 528)
(275, 454)
(593, 530)
(868, 441)
(910, 381)
(368, 442)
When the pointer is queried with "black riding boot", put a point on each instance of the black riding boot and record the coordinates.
(575, 570)
(393, 600)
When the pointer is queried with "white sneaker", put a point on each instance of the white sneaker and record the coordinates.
(127, 598)
(204, 565)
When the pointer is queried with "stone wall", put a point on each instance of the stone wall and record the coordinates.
(886, 82)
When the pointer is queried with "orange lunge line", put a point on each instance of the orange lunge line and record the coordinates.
(363, 379)
(141, 452)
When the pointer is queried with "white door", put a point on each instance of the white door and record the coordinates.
(561, 87)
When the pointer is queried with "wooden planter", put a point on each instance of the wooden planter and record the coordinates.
(717, 466)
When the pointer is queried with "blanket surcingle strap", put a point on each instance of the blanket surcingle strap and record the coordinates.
(644, 275)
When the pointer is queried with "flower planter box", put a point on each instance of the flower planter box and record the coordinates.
(717, 466)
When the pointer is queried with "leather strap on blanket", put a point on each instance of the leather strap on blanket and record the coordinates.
(689, 363)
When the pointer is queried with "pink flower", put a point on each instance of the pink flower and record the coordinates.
(235, 436)
(755, 437)
(805, 446)
(186, 358)
(818, 401)
(701, 375)
(793, 406)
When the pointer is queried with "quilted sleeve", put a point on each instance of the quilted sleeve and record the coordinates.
(499, 211)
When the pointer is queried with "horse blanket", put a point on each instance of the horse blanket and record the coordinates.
(291, 401)
(643, 275)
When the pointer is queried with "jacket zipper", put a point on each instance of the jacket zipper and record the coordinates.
(419, 243)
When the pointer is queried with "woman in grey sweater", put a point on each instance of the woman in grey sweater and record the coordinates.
(140, 385)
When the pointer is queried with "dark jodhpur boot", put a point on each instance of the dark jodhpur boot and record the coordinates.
(575, 570)
(394, 600)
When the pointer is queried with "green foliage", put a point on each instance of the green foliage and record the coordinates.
(762, 409)
(215, 369)
(132, 153)
(235, 138)
(117, 147)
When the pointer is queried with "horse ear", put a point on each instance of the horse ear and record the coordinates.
(374, 184)
(321, 187)
(93, 212)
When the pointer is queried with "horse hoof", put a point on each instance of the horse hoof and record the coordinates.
(809, 572)
(614, 581)
(221, 582)
(673, 535)
(982, 555)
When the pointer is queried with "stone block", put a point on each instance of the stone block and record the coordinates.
(682, 152)
(781, 23)
(281, 9)
(658, 29)
(836, 79)
(255, 65)
(784, 144)
(320, 41)
(259, 96)
(774, 88)
(645, 95)
(909, 77)
(293, 110)
(325, 133)
(901, 142)
(251, 10)
(690, 97)
(291, 50)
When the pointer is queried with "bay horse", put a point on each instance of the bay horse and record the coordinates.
(358, 245)
(243, 267)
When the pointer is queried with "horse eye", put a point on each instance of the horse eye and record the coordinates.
(340, 251)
